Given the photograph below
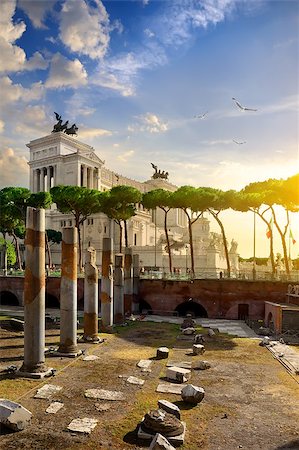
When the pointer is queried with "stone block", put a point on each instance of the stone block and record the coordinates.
(178, 374)
(192, 394)
(169, 388)
(103, 394)
(162, 353)
(47, 391)
(169, 407)
(85, 425)
(13, 415)
(198, 349)
(201, 365)
(144, 363)
(188, 331)
(183, 364)
(135, 380)
(211, 332)
(160, 443)
(54, 407)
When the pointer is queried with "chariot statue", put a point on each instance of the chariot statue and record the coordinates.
(59, 126)
(158, 174)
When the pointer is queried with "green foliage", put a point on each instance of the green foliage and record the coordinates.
(10, 250)
(119, 203)
(157, 198)
(54, 236)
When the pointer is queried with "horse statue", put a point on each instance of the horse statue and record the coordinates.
(59, 126)
(72, 130)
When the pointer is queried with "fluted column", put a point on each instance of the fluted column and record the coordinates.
(128, 287)
(48, 178)
(41, 179)
(118, 297)
(107, 284)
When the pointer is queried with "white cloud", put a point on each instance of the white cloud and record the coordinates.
(125, 156)
(10, 165)
(150, 123)
(13, 57)
(1, 126)
(66, 73)
(11, 93)
(90, 133)
(85, 29)
(36, 10)
(36, 61)
(110, 81)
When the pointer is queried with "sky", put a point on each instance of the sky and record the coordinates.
(154, 81)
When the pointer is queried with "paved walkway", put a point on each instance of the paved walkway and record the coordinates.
(232, 327)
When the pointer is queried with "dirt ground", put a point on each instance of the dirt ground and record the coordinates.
(251, 402)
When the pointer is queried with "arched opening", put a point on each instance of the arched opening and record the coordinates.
(191, 307)
(8, 298)
(145, 307)
(52, 301)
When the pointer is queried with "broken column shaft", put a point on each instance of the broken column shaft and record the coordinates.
(136, 270)
(91, 327)
(34, 296)
(107, 284)
(68, 293)
(128, 287)
(118, 298)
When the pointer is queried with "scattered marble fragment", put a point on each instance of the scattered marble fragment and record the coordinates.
(144, 363)
(135, 380)
(178, 374)
(160, 442)
(188, 331)
(198, 349)
(85, 425)
(162, 353)
(211, 332)
(47, 391)
(103, 394)
(170, 388)
(201, 365)
(13, 415)
(145, 370)
(54, 407)
(192, 394)
(90, 358)
(169, 407)
(102, 407)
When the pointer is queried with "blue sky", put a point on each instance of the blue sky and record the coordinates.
(133, 74)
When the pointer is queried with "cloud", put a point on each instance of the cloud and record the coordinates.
(11, 92)
(110, 81)
(10, 165)
(150, 123)
(12, 57)
(90, 133)
(66, 73)
(84, 29)
(149, 33)
(36, 10)
(125, 156)
(1, 126)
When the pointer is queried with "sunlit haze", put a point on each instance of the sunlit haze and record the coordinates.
(154, 81)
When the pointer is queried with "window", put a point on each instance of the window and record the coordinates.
(89, 221)
(70, 223)
(135, 238)
(105, 229)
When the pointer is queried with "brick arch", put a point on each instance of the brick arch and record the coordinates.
(9, 298)
(193, 307)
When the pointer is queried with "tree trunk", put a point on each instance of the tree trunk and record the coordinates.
(271, 241)
(126, 233)
(283, 241)
(17, 247)
(224, 241)
(79, 246)
(120, 236)
(191, 244)
(167, 240)
(48, 251)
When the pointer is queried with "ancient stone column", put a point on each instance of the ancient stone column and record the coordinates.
(41, 179)
(107, 284)
(91, 328)
(118, 298)
(68, 293)
(128, 287)
(84, 176)
(136, 269)
(34, 296)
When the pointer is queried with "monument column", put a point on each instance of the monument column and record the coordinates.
(84, 176)
(107, 284)
(48, 178)
(41, 179)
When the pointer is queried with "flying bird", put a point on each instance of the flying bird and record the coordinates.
(243, 108)
(201, 116)
(239, 143)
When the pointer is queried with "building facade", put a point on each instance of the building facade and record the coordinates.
(59, 159)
